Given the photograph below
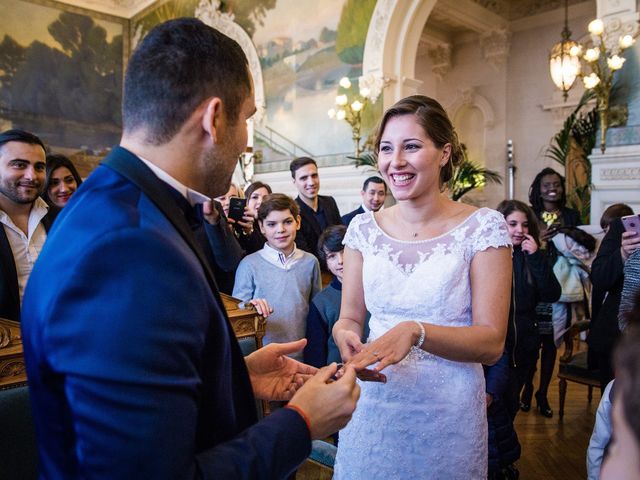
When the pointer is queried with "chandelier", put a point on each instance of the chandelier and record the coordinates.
(563, 66)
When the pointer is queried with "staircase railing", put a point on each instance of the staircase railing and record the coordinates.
(279, 142)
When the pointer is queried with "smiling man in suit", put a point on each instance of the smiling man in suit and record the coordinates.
(24, 216)
(134, 369)
(374, 193)
(316, 211)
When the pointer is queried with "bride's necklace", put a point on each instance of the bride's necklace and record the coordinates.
(413, 229)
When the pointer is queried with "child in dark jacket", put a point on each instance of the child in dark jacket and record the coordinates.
(533, 282)
(324, 310)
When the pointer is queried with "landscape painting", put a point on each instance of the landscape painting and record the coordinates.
(302, 64)
(61, 73)
(305, 47)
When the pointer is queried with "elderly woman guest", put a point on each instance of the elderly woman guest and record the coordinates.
(62, 180)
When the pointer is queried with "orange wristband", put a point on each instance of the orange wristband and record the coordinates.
(301, 413)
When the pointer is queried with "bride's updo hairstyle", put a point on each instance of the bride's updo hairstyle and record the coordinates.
(436, 125)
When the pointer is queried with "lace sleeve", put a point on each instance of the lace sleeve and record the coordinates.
(354, 238)
(491, 231)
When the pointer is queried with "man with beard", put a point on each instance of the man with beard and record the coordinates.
(24, 215)
(134, 369)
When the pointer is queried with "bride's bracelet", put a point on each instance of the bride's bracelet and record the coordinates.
(420, 340)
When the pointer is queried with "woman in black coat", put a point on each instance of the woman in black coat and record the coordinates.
(607, 278)
(548, 199)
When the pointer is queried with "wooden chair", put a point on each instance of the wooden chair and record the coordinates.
(249, 328)
(573, 366)
(12, 369)
(18, 451)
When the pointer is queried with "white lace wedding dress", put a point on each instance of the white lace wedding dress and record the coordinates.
(429, 420)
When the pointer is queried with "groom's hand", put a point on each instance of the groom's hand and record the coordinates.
(274, 375)
(327, 404)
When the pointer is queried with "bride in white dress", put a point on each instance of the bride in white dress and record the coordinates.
(435, 275)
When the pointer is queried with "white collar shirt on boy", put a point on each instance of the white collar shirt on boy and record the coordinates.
(279, 259)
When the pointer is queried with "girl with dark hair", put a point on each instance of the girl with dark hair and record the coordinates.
(254, 195)
(533, 282)
(418, 267)
(251, 240)
(62, 180)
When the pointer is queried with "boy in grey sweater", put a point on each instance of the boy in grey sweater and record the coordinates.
(286, 277)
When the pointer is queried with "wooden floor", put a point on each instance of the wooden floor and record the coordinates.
(550, 449)
(557, 450)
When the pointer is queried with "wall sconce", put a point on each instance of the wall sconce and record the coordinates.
(602, 62)
(350, 110)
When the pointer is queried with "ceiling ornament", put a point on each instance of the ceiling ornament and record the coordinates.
(495, 47)
(440, 56)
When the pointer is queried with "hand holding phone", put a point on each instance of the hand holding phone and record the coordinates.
(632, 223)
(236, 208)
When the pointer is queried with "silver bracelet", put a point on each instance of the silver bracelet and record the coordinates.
(420, 340)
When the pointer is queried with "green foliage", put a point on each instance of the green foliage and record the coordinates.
(327, 35)
(579, 129)
(560, 145)
(366, 159)
(352, 30)
(469, 176)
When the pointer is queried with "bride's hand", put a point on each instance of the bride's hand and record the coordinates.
(389, 349)
(348, 343)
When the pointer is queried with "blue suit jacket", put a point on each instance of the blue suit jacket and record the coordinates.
(134, 370)
(346, 219)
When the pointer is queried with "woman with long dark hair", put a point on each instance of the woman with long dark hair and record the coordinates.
(62, 180)
(533, 282)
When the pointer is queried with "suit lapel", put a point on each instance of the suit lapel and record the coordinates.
(130, 167)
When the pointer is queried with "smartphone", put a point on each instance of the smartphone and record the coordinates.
(236, 208)
(632, 223)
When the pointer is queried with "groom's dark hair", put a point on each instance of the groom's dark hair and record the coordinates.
(180, 64)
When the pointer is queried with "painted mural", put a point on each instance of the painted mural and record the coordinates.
(305, 47)
(61, 74)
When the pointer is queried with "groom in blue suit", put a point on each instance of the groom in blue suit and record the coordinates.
(134, 370)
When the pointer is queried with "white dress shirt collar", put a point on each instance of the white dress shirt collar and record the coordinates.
(279, 259)
(367, 209)
(26, 247)
(192, 196)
